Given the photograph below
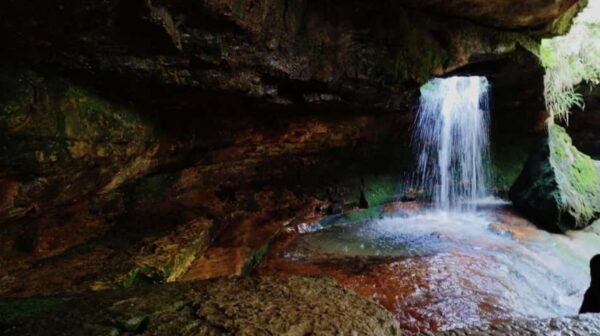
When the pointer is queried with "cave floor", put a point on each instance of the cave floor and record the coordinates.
(441, 271)
(432, 271)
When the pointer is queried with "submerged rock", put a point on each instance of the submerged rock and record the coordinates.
(558, 188)
(243, 306)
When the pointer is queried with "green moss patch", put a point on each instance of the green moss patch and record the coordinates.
(509, 156)
(354, 216)
(363, 215)
(381, 189)
(577, 176)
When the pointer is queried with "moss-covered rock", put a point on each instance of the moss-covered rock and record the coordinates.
(577, 176)
(558, 187)
(381, 189)
(509, 156)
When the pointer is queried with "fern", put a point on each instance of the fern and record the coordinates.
(570, 60)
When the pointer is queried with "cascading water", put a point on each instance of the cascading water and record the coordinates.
(453, 141)
(438, 270)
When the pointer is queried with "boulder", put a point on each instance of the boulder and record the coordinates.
(227, 306)
(558, 187)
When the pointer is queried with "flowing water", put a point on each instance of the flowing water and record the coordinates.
(437, 270)
(470, 259)
(452, 140)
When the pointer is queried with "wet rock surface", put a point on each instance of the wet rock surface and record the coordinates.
(586, 324)
(442, 272)
(244, 306)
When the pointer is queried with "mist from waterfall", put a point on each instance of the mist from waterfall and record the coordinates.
(452, 139)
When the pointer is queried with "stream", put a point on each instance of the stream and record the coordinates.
(437, 270)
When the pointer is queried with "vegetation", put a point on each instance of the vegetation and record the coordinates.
(570, 60)
(577, 176)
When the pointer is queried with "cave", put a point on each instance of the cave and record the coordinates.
(296, 167)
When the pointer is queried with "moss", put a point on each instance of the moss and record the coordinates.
(22, 310)
(352, 217)
(509, 156)
(547, 55)
(535, 193)
(363, 215)
(562, 25)
(530, 44)
(577, 176)
(506, 172)
(381, 189)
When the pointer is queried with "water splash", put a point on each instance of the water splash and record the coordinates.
(453, 141)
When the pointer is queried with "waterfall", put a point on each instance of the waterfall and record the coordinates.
(453, 142)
